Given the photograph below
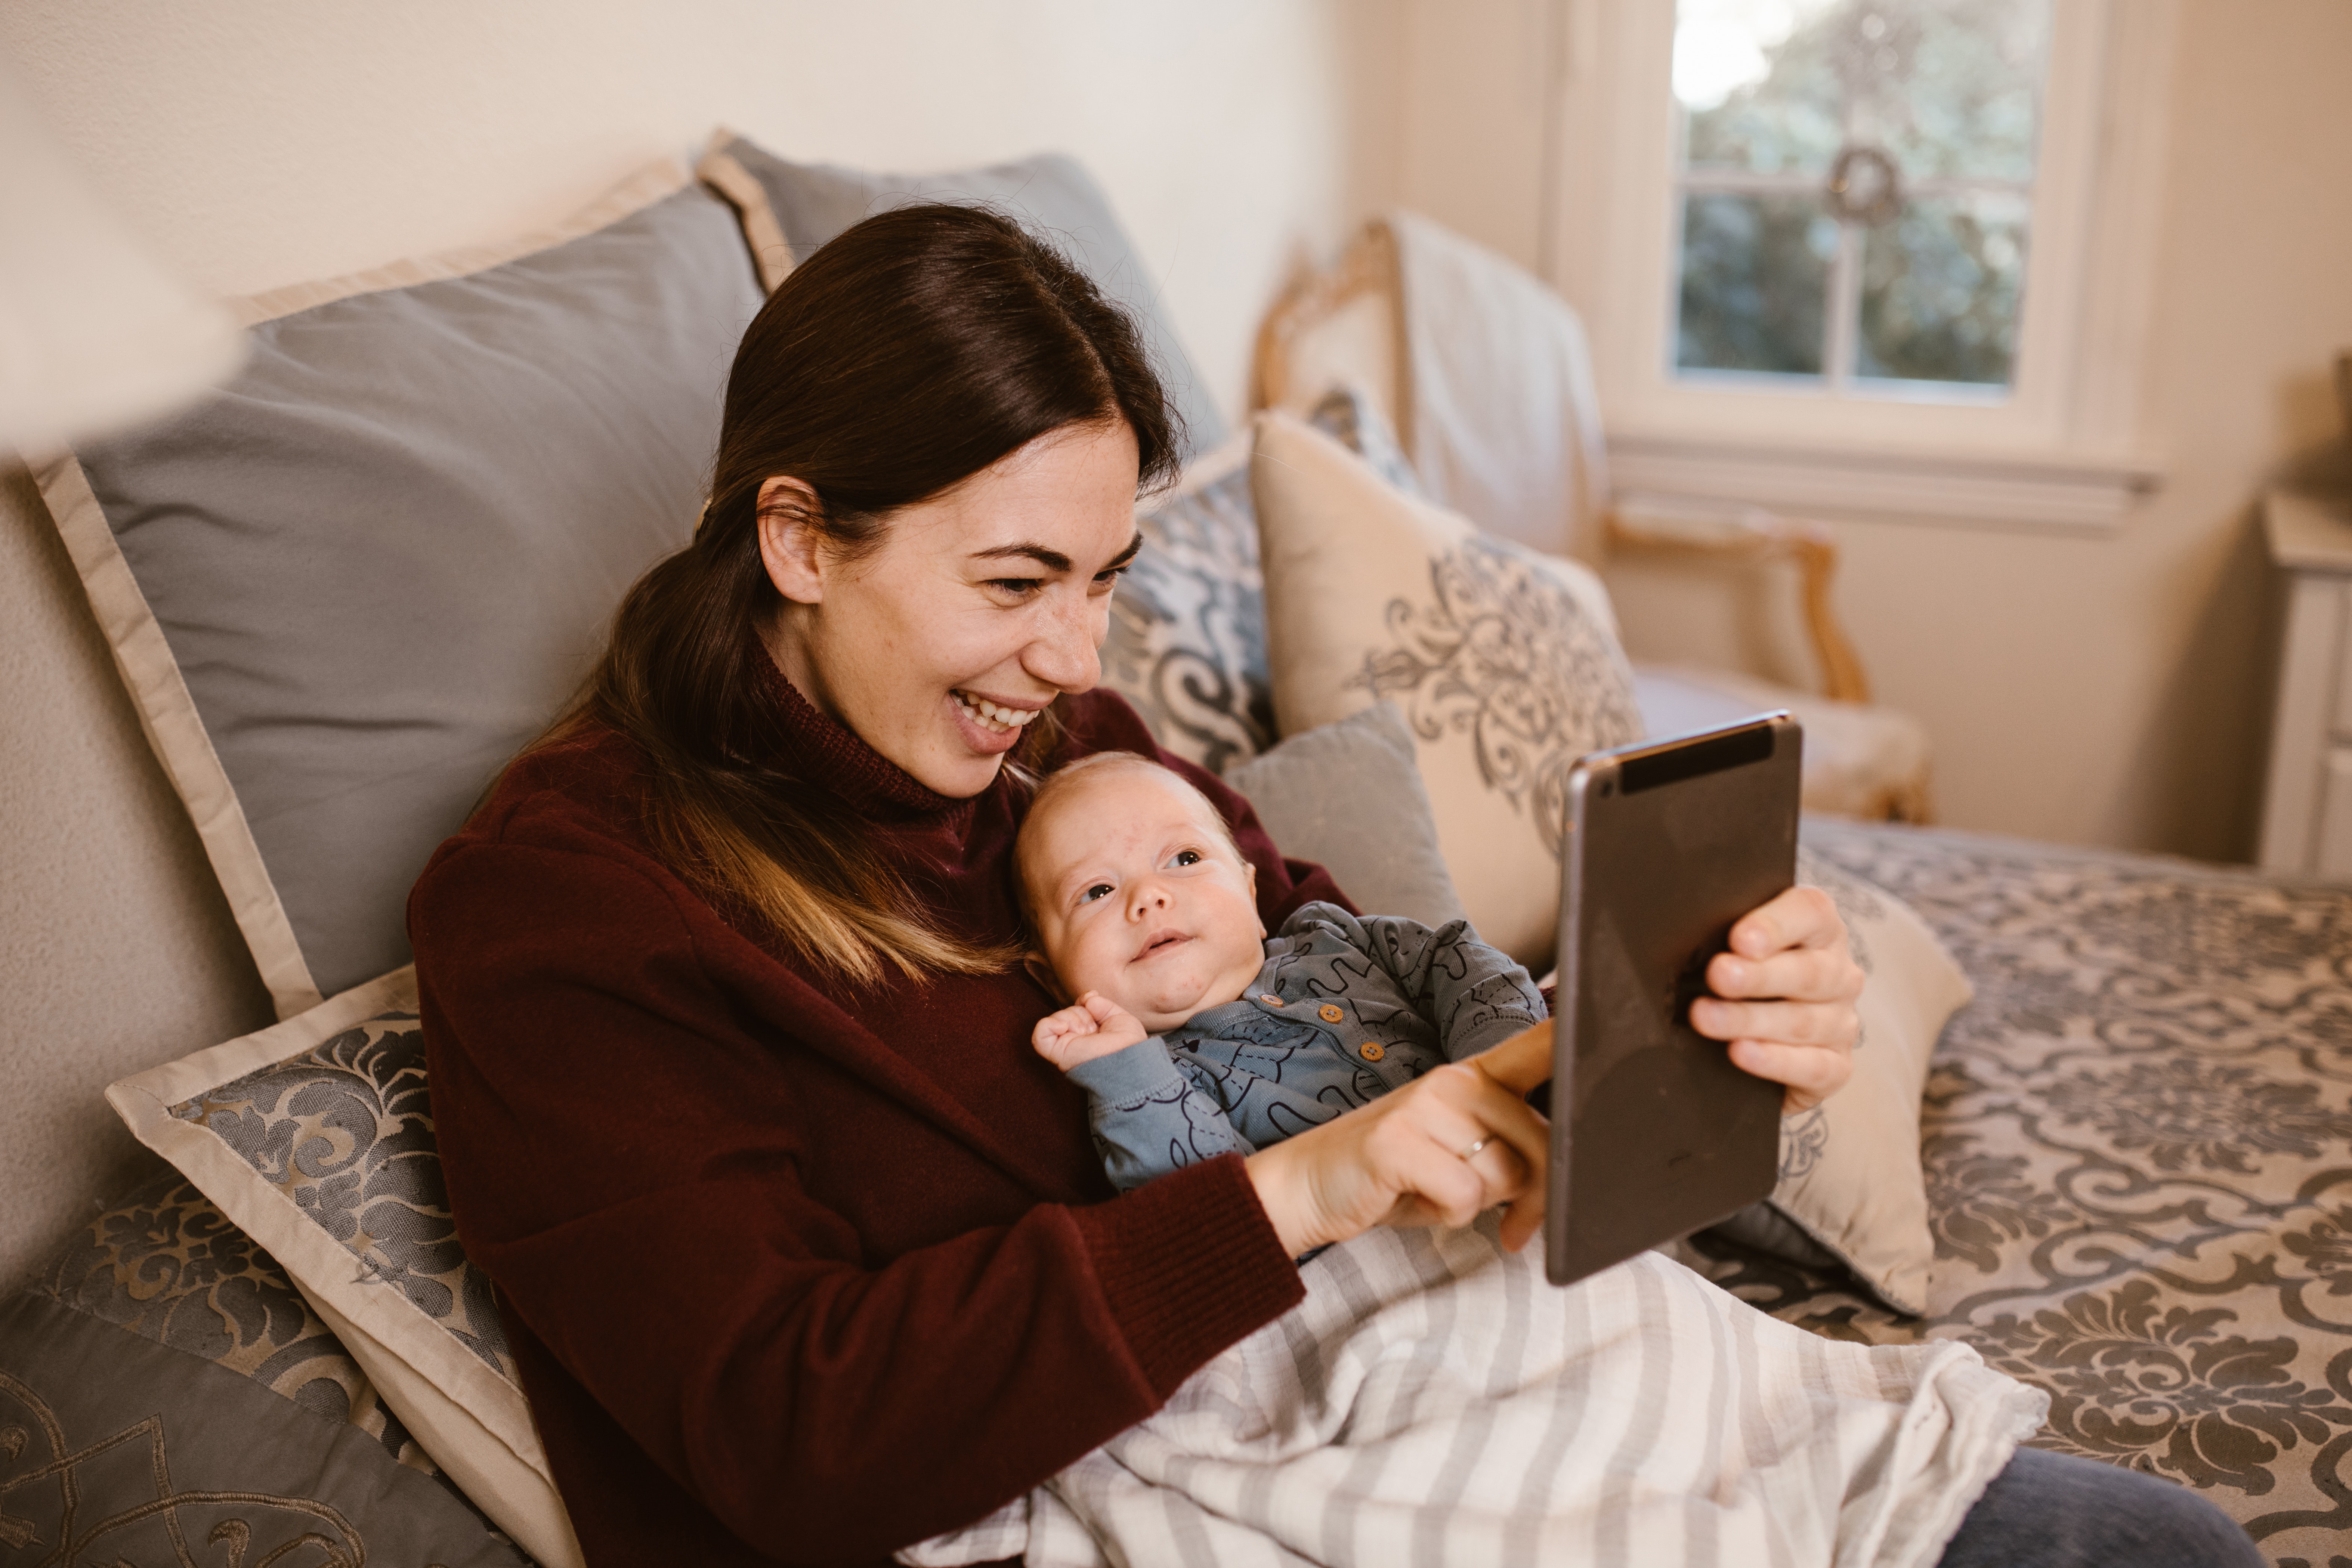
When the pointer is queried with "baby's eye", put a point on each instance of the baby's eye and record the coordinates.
(1188, 856)
(1100, 891)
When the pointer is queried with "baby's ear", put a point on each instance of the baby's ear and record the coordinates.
(1042, 973)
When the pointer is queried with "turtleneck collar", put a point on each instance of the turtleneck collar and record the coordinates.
(826, 751)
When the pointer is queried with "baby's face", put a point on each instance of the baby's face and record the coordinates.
(1137, 895)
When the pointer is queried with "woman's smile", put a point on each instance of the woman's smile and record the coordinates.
(990, 727)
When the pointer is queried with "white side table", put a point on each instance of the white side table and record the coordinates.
(2307, 808)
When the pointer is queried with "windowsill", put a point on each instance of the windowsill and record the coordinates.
(2084, 493)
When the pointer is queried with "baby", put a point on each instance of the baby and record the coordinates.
(1192, 1034)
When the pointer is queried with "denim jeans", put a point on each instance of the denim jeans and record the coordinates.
(2055, 1511)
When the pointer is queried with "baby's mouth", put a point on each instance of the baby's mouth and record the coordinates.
(1161, 944)
(990, 717)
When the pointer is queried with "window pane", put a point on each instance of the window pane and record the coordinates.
(1755, 281)
(1950, 88)
(1939, 288)
(1963, 98)
(1757, 96)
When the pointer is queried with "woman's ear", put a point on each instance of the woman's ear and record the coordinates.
(790, 547)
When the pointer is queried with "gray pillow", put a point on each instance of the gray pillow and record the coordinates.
(382, 557)
(1050, 193)
(1350, 796)
(163, 1354)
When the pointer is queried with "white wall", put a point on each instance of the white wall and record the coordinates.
(2097, 690)
(269, 141)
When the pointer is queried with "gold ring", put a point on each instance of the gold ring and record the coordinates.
(1473, 1149)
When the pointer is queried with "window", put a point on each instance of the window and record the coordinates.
(1854, 189)
(1954, 331)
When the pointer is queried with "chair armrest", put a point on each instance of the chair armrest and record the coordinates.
(1755, 535)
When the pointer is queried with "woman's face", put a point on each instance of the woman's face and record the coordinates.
(980, 607)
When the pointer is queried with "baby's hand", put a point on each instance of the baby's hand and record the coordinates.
(1092, 1026)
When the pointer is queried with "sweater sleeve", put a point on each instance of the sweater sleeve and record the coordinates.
(621, 1156)
(1153, 1113)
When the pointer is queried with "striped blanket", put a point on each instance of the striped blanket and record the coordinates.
(1435, 1400)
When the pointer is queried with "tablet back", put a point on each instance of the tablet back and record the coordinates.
(1654, 1132)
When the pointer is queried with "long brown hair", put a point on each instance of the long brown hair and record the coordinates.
(908, 354)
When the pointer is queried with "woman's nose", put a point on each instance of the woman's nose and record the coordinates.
(1062, 653)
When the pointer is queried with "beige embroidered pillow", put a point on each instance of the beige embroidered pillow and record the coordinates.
(1505, 660)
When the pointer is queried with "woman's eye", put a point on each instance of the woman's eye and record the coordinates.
(1100, 891)
(1019, 587)
(1188, 856)
(1110, 579)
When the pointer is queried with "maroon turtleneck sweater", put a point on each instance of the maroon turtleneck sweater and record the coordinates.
(796, 1270)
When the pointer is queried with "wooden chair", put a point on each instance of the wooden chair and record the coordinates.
(1345, 325)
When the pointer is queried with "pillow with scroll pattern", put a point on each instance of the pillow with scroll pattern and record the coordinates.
(1186, 643)
(315, 1136)
(1505, 660)
(164, 1389)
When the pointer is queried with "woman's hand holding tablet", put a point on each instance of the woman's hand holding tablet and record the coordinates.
(1676, 878)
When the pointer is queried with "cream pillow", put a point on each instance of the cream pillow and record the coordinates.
(1850, 1180)
(1505, 660)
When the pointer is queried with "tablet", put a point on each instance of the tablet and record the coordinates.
(1654, 1132)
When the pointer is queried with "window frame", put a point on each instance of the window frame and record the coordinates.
(2060, 449)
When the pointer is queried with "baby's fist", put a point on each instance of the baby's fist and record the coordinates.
(1092, 1026)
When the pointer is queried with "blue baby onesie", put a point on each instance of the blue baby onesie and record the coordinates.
(1346, 1009)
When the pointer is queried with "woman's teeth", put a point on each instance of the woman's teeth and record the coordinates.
(990, 716)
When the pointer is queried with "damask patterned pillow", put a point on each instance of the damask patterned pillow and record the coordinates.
(1505, 660)
(1186, 643)
(162, 1387)
(315, 1137)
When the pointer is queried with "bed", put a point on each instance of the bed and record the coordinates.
(2137, 1139)
(2137, 1144)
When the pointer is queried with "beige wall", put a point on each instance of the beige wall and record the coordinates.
(2098, 690)
(269, 141)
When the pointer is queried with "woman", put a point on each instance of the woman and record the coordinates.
(804, 1254)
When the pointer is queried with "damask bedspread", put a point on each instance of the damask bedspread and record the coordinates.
(2138, 1141)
